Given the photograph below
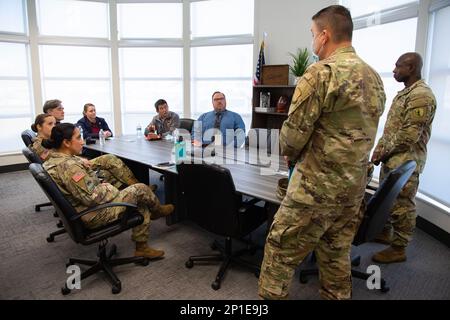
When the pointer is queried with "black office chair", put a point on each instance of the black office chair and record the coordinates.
(28, 137)
(80, 234)
(212, 203)
(255, 134)
(187, 124)
(34, 158)
(375, 216)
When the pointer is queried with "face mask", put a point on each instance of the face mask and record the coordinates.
(315, 56)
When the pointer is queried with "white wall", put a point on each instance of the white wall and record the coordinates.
(288, 27)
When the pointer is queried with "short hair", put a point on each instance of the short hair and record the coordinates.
(338, 19)
(51, 104)
(86, 106)
(216, 92)
(39, 121)
(159, 103)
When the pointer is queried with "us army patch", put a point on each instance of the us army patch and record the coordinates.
(90, 185)
(78, 176)
(419, 113)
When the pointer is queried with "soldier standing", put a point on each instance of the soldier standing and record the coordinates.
(83, 189)
(328, 135)
(405, 137)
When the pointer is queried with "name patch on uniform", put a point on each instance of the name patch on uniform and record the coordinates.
(78, 176)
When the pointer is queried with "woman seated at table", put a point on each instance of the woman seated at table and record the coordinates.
(83, 189)
(92, 124)
(108, 167)
(43, 125)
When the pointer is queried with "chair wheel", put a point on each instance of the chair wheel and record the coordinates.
(256, 273)
(50, 239)
(65, 291)
(215, 285)
(384, 289)
(189, 264)
(59, 224)
(303, 279)
(116, 289)
(55, 214)
(37, 208)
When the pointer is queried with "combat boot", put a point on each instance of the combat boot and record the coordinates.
(390, 255)
(143, 250)
(385, 237)
(161, 211)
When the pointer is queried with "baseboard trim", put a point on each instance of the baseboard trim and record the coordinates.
(433, 230)
(14, 167)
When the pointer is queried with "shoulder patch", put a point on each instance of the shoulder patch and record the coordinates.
(419, 113)
(78, 176)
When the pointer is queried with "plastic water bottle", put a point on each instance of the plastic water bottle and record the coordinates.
(81, 132)
(101, 137)
(180, 149)
(138, 131)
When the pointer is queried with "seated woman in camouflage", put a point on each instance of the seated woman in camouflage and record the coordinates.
(108, 167)
(83, 189)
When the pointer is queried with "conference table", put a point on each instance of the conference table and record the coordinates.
(255, 175)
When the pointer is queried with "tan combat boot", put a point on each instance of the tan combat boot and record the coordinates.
(161, 211)
(143, 250)
(390, 255)
(385, 237)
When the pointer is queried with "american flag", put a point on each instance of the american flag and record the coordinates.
(261, 62)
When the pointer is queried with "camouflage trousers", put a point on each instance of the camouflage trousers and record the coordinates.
(402, 220)
(138, 194)
(296, 231)
(113, 170)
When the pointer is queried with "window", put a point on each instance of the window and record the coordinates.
(359, 8)
(233, 77)
(221, 17)
(15, 98)
(149, 74)
(395, 39)
(71, 18)
(12, 16)
(439, 81)
(150, 20)
(77, 75)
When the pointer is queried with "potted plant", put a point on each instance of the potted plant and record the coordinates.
(300, 62)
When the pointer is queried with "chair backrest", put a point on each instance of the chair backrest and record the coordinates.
(31, 156)
(380, 204)
(187, 124)
(28, 136)
(253, 136)
(211, 198)
(64, 209)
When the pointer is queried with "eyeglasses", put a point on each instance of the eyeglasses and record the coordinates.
(218, 99)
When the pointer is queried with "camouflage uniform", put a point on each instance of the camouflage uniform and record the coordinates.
(83, 189)
(109, 168)
(37, 148)
(166, 125)
(329, 133)
(405, 137)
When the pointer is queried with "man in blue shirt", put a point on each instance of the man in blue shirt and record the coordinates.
(221, 119)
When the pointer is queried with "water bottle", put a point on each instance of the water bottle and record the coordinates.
(101, 137)
(138, 131)
(180, 149)
(81, 132)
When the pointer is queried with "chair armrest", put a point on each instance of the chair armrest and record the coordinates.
(247, 204)
(371, 188)
(104, 206)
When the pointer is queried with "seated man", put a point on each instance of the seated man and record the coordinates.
(220, 118)
(92, 124)
(164, 123)
(55, 108)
